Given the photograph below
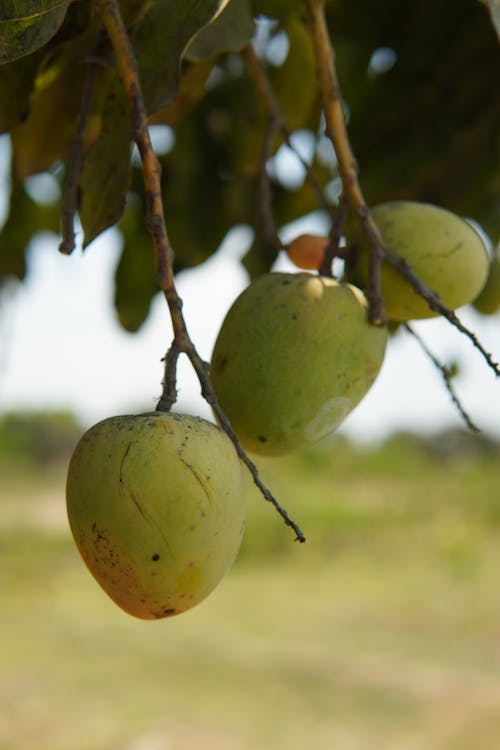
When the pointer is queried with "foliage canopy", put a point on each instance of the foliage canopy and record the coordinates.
(420, 84)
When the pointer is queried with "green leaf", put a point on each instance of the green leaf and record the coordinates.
(25, 219)
(26, 25)
(277, 8)
(191, 90)
(258, 259)
(47, 134)
(295, 82)
(17, 80)
(135, 279)
(105, 176)
(229, 32)
(160, 42)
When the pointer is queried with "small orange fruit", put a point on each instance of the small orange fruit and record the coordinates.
(307, 251)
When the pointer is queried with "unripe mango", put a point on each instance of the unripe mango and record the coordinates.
(488, 301)
(446, 253)
(156, 504)
(294, 356)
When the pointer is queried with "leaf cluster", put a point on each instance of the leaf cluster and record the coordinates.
(420, 85)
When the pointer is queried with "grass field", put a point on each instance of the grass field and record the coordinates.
(381, 632)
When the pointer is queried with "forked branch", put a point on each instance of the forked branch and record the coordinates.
(109, 13)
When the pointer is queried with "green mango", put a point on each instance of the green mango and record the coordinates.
(295, 354)
(488, 301)
(444, 251)
(156, 504)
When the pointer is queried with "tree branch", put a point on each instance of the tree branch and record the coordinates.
(434, 302)
(336, 131)
(110, 15)
(266, 227)
(332, 250)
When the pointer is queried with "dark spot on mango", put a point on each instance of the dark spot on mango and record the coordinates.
(155, 557)
(220, 363)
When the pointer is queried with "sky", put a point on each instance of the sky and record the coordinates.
(61, 346)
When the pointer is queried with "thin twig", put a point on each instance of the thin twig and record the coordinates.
(332, 250)
(125, 58)
(275, 114)
(447, 377)
(70, 199)
(201, 369)
(266, 227)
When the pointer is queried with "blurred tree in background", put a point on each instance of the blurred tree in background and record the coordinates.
(38, 437)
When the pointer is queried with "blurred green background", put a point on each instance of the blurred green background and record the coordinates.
(382, 631)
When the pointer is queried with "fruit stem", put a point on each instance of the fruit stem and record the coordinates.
(333, 250)
(109, 13)
(336, 131)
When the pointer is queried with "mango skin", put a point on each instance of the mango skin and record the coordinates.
(156, 504)
(293, 357)
(444, 251)
(488, 301)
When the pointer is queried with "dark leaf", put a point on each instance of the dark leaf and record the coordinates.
(47, 134)
(295, 82)
(26, 25)
(25, 219)
(258, 259)
(105, 176)
(17, 80)
(191, 90)
(229, 32)
(280, 9)
(161, 40)
(426, 128)
(135, 281)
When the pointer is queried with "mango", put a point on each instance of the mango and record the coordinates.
(156, 505)
(294, 355)
(446, 253)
